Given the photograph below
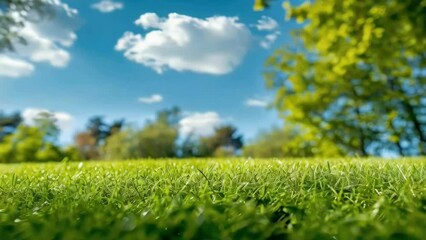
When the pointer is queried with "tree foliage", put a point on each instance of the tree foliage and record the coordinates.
(261, 4)
(224, 142)
(355, 74)
(100, 130)
(86, 145)
(97, 132)
(190, 146)
(31, 144)
(8, 124)
(157, 139)
(289, 142)
(160, 139)
(35, 143)
(47, 124)
(276, 144)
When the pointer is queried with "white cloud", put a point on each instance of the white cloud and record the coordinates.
(200, 124)
(156, 98)
(215, 45)
(46, 39)
(266, 24)
(65, 121)
(42, 49)
(257, 103)
(107, 6)
(14, 68)
(269, 39)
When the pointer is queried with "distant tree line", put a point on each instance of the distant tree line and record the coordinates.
(36, 143)
(159, 138)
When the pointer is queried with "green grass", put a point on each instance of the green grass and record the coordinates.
(223, 199)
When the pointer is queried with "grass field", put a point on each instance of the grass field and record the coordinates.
(223, 199)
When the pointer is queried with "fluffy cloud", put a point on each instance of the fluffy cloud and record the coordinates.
(156, 98)
(65, 121)
(107, 6)
(215, 45)
(200, 124)
(269, 39)
(46, 41)
(256, 103)
(266, 24)
(13, 68)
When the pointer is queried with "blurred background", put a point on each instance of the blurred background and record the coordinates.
(115, 79)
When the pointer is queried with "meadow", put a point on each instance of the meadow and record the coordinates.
(215, 199)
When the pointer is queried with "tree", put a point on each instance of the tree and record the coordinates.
(190, 147)
(97, 132)
(261, 4)
(224, 142)
(100, 130)
(37, 143)
(13, 16)
(47, 124)
(170, 116)
(153, 141)
(31, 144)
(21, 146)
(86, 145)
(157, 139)
(8, 124)
(115, 127)
(122, 145)
(354, 75)
(286, 143)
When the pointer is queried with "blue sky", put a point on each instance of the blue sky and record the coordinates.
(97, 79)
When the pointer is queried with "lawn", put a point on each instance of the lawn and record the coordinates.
(221, 199)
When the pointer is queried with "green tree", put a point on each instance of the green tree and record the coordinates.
(47, 124)
(170, 116)
(22, 145)
(157, 139)
(30, 144)
(355, 74)
(122, 145)
(38, 143)
(224, 142)
(289, 143)
(90, 141)
(190, 147)
(101, 130)
(71, 153)
(261, 4)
